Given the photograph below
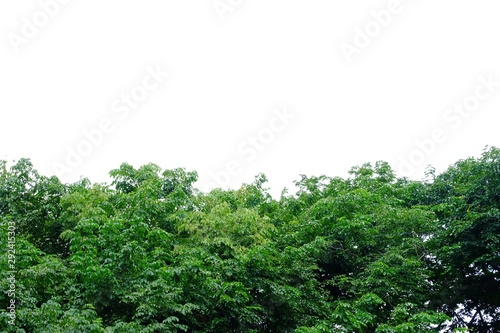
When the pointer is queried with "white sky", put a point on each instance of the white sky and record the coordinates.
(228, 78)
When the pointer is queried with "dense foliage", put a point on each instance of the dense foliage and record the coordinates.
(150, 253)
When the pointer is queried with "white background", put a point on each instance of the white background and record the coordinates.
(229, 70)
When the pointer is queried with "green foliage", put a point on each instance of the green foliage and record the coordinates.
(150, 253)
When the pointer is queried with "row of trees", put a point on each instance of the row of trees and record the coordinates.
(150, 253)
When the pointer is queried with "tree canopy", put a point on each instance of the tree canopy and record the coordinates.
(151, 253)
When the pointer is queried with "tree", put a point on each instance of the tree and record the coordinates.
(150, 253)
